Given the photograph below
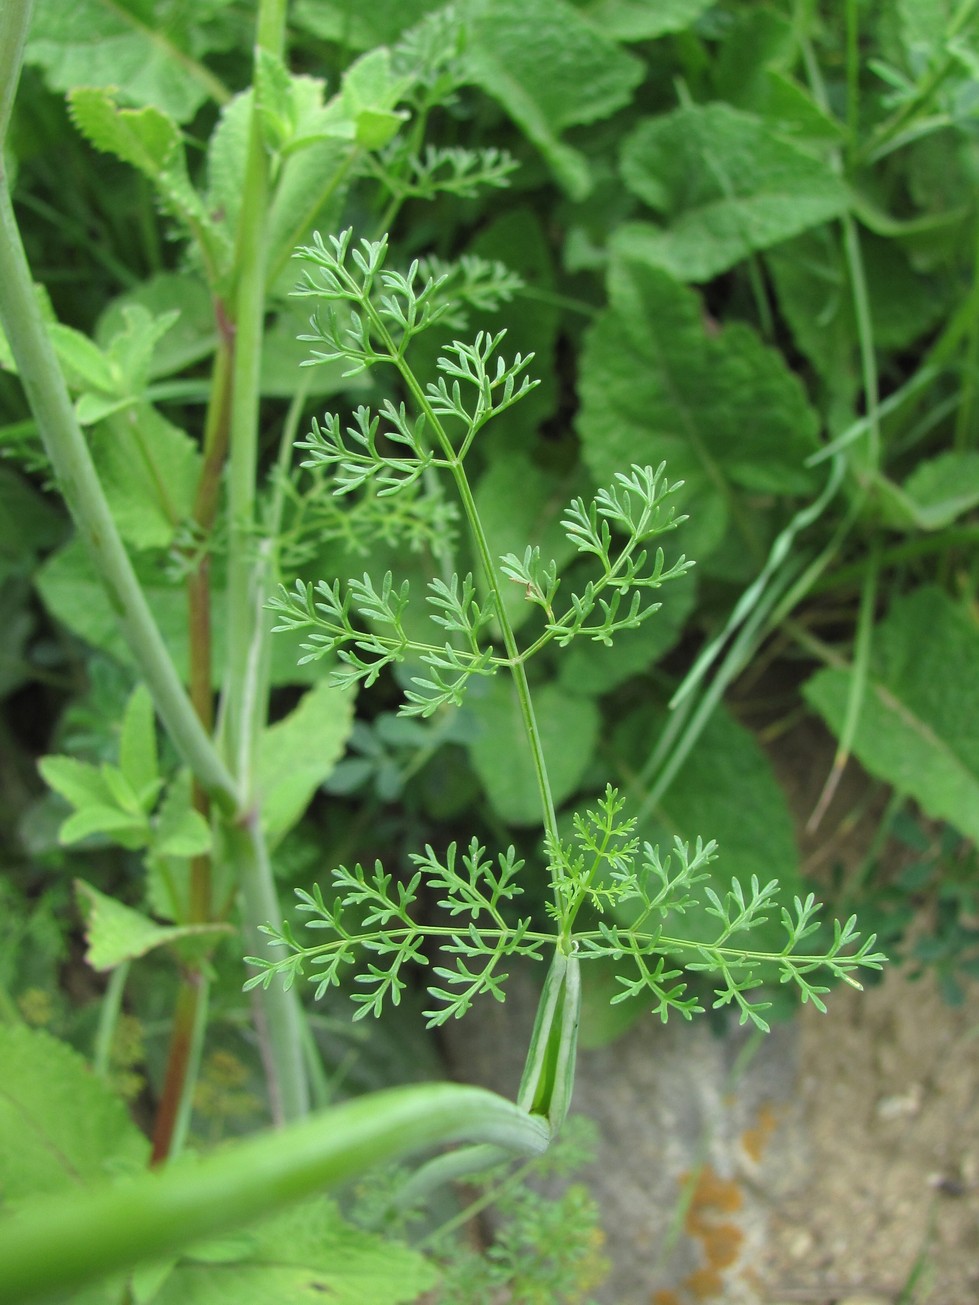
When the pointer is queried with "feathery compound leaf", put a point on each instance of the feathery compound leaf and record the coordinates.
(373, 937)
(354, 457)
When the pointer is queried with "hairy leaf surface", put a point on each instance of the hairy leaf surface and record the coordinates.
(726, 184)
(722, 410)
(917, 726)
(297, 754)
(60, 1126)
(306, 1256)
(588, 76)
(150, 49)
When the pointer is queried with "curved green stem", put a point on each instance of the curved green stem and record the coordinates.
(78, 480)
(158, 1214)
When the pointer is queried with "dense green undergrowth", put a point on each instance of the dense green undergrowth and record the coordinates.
(431, 431)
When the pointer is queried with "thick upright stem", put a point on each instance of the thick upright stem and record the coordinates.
(279, 1013)
(191, 998)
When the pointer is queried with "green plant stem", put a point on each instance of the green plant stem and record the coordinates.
(278, 1013)
(109, 1010)
(965, 426)
(240, 728)
(178, 1081)
(865, 334)
(852, 75)
(77, 478)
(857, 686)
(110, 1229)
(15, 22)
(492, 577)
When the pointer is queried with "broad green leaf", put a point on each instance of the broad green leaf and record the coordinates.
(368, 95)
(179, 833)
(179, 297)
(924, 28)
(500, 755)
(60, 1126)
(276, 97)
(133, 347)
(638, 20)
(720, 408)
(753, 71)
(937, 492)
(919, 722)
(149, 469)
(551, 70)
(295, 755)
(310, 193)
(726, 184)
(78, 782)
(146, 138)
(148, 48)
(122, 827)
(151, 141)
(125, 796)
(137, 741)
(116, 933)
(227, 152)
(86, 365)
(180, 830)
(356, 26)
(306, 1256)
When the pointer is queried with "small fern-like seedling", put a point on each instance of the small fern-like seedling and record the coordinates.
(612, 895)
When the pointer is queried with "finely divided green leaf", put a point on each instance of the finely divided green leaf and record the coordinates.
(726, 184)
(137, 741)
(60, 1126)
(568, 727)
(149, 469)
(116, 933)
(587, 666)
(725, 790)
(919, 724)
(720, 408)
(550, 69)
